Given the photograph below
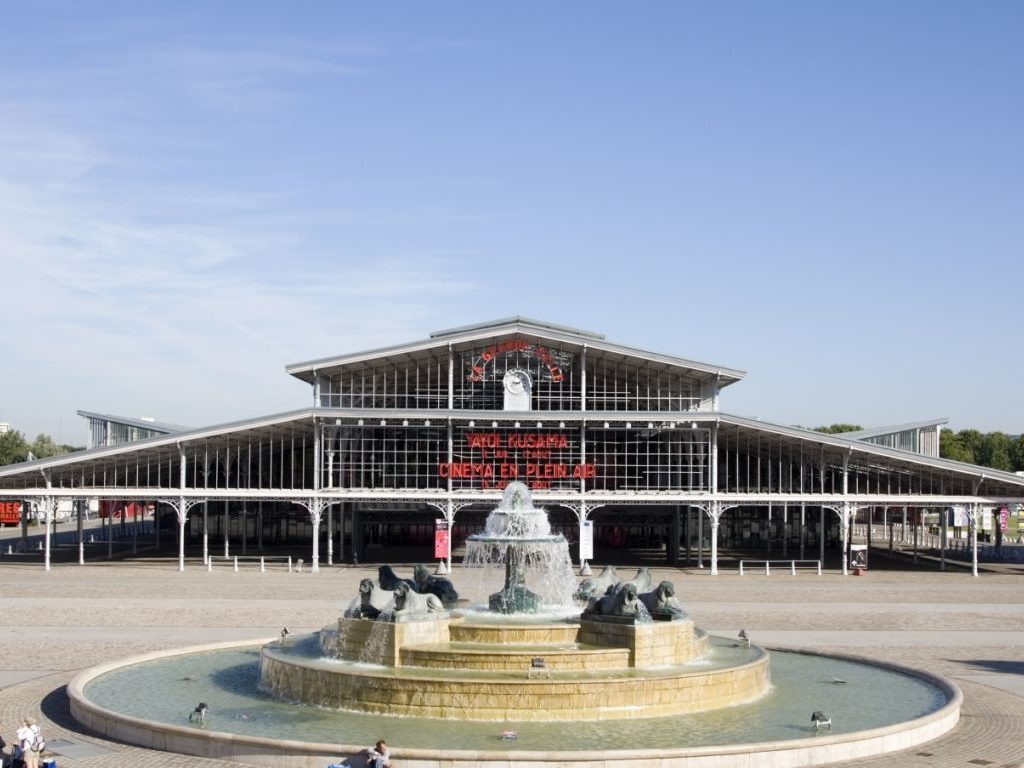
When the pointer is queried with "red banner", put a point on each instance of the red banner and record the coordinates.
(441, 539)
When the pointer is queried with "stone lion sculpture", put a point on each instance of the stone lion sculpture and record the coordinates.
(410, 603)
(619, 601)
(591, 588)
(662, 603)
(642, 580)
(389, 580)
(371, 601)
(440, 587)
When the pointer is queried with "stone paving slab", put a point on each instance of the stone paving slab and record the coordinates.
(53, 624)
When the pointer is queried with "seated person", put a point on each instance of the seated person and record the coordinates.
(378, 756)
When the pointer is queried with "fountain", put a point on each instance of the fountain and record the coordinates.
(618, 659)
(407, 655)
(518, 536)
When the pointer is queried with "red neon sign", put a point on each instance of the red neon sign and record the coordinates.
(529, 456)
(478, 366)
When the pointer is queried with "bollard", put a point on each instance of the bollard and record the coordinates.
(792, 567)
(741, 567)
(236, 563)
(767, 569)
(819, 567)
(209, 564)
(263, 567)
(298, 564)
(289, 563)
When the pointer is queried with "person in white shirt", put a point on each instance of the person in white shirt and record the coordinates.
(27, 740)
(378, 756)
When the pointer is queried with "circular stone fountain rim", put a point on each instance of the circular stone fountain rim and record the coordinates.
(265, 751)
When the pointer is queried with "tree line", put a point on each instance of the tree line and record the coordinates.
(14, 447)
(997, 450)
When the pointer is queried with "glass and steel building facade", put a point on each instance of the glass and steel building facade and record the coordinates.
(434, 429)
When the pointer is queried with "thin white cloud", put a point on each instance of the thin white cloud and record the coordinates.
(145, 81)
(189, 314)
(135, 286)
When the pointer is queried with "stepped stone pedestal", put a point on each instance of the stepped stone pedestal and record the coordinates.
(455, 668)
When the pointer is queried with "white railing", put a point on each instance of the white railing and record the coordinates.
(237, 560)
(791, 564)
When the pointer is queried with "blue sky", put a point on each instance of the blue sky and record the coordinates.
(826, 195)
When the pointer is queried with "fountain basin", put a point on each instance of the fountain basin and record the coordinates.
(884, 708)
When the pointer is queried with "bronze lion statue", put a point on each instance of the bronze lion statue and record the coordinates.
(591, 588)
(642, 580)
(371, 601)
(661, 602)
(620, 601)
(438, 586)
(409, 602)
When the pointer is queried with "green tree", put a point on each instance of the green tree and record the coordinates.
(834, 429)
(971, 440)
(953, 448)
(44, 446)
(1017, 454)
(13, 447)
(995, 451)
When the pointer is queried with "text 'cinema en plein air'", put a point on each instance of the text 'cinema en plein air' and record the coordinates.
(500, 459)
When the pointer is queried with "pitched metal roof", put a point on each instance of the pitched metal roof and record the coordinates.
(512, 325)
(170, 440)
(515, 320)
(153, 426)
(305, 418)
(863, 434)
(841, 440)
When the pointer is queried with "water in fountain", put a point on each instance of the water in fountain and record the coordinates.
(374, 648)
(517, 537)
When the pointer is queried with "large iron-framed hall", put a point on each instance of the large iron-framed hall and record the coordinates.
(617, 443)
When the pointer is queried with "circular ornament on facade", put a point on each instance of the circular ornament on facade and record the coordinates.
(517, 382)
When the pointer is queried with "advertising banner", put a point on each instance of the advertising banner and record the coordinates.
(1004, 518)
(859, 556)
(441, 539)
(958, 517)
(587, 540)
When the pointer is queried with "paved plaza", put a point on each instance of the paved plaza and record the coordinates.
(55, 623)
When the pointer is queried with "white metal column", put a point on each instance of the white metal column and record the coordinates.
(715, 515)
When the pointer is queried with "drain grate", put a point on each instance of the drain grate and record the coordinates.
(75, 749)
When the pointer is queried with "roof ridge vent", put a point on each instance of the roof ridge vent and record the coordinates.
(518, 320)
